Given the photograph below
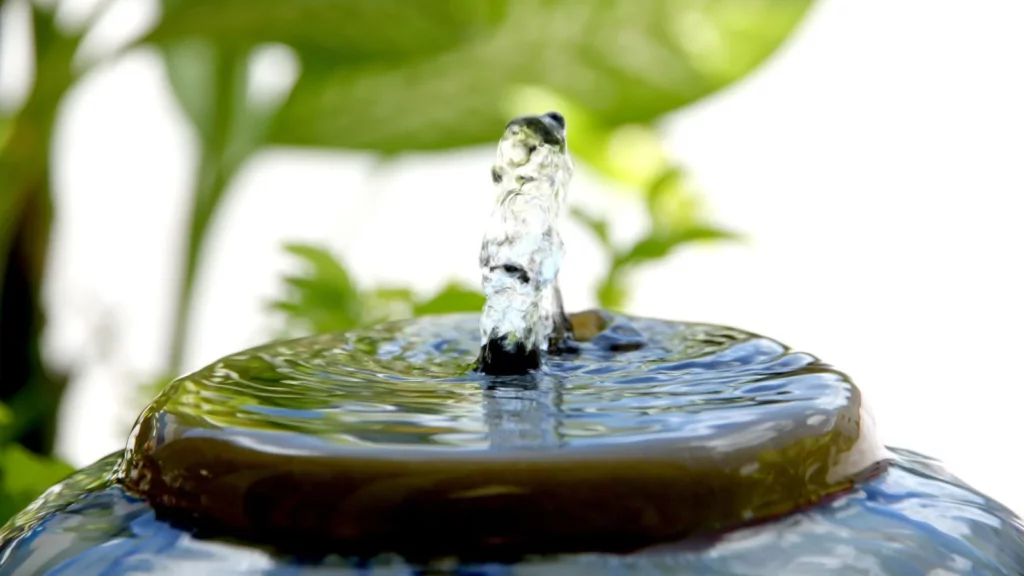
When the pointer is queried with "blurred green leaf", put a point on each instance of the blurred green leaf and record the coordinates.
(5, 129)
(211, 83)
(393, 294)
(384, 304)
(670, 203)
(452, 298)
(612, 291)
(654, 247)
(598, 226)
(348, 31)
(325, 299)
(621, 60)
(5, 415)
(24, 476)
(611, 294)
(192, 69)
(324, 296)
(324, 267)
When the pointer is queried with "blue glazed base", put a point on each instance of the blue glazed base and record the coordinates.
(914, 518)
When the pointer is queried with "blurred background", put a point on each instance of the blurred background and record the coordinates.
(181, 179)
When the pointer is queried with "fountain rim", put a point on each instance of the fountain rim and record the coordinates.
(537, 501)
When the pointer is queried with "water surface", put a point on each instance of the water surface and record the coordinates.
(707, 449)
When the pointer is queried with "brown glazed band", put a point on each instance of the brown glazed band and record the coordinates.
(491, 504)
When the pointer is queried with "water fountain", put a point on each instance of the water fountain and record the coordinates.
(521, 441)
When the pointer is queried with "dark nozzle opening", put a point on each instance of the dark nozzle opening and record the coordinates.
(498, 360)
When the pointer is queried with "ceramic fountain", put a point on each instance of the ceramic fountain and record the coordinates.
(523, 440)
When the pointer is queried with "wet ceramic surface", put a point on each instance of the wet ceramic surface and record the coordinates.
(706, 449)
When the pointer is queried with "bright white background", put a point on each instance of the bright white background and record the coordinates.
(876, 166)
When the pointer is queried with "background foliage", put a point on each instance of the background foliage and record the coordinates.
(387, 76)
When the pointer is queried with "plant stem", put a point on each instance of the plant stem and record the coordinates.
(210, 185)
(25, 215)
(217, 167)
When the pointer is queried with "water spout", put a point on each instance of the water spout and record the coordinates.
(522, 251)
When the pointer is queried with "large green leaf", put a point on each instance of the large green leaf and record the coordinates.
(350, 30)
(621, 60)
